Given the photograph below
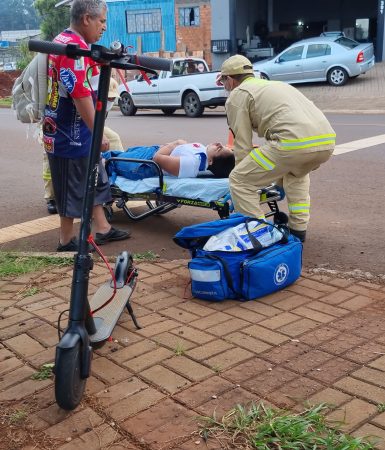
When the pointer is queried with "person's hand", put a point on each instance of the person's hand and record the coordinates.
(105, 144)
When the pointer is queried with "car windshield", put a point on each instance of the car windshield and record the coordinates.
(346, 42)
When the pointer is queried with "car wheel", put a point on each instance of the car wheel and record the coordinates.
(263, 76)
(168, 111)
(337, 76)
(127, 105)
(192, 105)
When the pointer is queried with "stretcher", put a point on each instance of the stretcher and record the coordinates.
(163, 193)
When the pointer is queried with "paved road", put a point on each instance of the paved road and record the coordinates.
(348, 193)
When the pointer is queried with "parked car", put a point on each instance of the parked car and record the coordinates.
(9, 66)
(332, 33)
(329, 58)
(189, 85)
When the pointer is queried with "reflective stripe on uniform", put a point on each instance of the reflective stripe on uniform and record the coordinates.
(297, 208)
(256, 80)
(261, 159)
(312, 141)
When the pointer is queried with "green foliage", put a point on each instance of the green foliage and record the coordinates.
(33, 290)
(25, 56)
(54, 20)
(6, 101)
(18, 15)
(15, 264)
(44, 373)
(147, 255)
(19, 415)
(381, 407)
(179, 349)
(264, 428)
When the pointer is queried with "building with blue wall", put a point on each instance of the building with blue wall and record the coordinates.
(152, 20)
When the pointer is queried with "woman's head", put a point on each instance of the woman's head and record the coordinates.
(220, 159)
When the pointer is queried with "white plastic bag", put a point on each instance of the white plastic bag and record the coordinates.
(236, 239)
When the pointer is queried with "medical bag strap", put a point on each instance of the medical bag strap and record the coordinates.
(254, 241)
(226, 272)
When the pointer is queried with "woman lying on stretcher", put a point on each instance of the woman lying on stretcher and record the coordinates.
(178, 158)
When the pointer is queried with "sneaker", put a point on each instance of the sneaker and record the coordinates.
(112, 235)
(51, 207)
(301, 235)
(72, 246)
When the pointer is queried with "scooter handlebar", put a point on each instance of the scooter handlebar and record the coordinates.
(52, 48)
(99, 53)
(151, 62)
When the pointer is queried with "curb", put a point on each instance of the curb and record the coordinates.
(356, 111)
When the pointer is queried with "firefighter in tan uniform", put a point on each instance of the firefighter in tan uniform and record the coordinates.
(298, 139)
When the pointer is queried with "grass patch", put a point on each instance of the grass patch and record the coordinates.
(6, 101)
(149, 255)
(263, 428)
(44, 373)
(30, 291)
(17, 416)
(179, 350)
(17, 264)
(381, 407)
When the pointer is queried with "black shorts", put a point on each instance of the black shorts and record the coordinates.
(69, 178)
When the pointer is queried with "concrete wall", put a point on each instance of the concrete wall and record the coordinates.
(220, 27)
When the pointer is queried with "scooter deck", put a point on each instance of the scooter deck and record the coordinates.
(105, 319)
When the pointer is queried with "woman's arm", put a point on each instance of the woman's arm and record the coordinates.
(166, 149)
(170, 164)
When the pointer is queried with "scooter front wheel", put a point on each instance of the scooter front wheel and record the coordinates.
(69, 385)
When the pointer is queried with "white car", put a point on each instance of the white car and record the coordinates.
(331, 58)
(189, 85)
(9, 66)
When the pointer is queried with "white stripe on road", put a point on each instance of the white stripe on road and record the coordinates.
(48, 223)
(359, 144)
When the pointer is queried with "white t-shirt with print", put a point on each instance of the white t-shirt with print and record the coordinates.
(193, 159)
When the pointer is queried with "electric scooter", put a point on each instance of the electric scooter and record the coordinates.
(91, 323)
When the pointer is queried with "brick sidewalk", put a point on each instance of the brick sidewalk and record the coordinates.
(321, 340)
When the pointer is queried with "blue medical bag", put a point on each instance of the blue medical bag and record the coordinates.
(242, 275)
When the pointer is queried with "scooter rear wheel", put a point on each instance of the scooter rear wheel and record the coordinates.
(69, 386)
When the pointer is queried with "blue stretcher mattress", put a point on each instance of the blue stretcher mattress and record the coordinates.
(204, 189)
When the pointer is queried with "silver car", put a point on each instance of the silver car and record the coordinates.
(327, 58)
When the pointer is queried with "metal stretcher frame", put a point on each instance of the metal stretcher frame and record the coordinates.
(160, 203)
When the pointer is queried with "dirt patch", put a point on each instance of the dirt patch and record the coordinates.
(6, 82)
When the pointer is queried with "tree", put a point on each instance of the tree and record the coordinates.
(54, 20)
(18, 15)
(25, 55)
